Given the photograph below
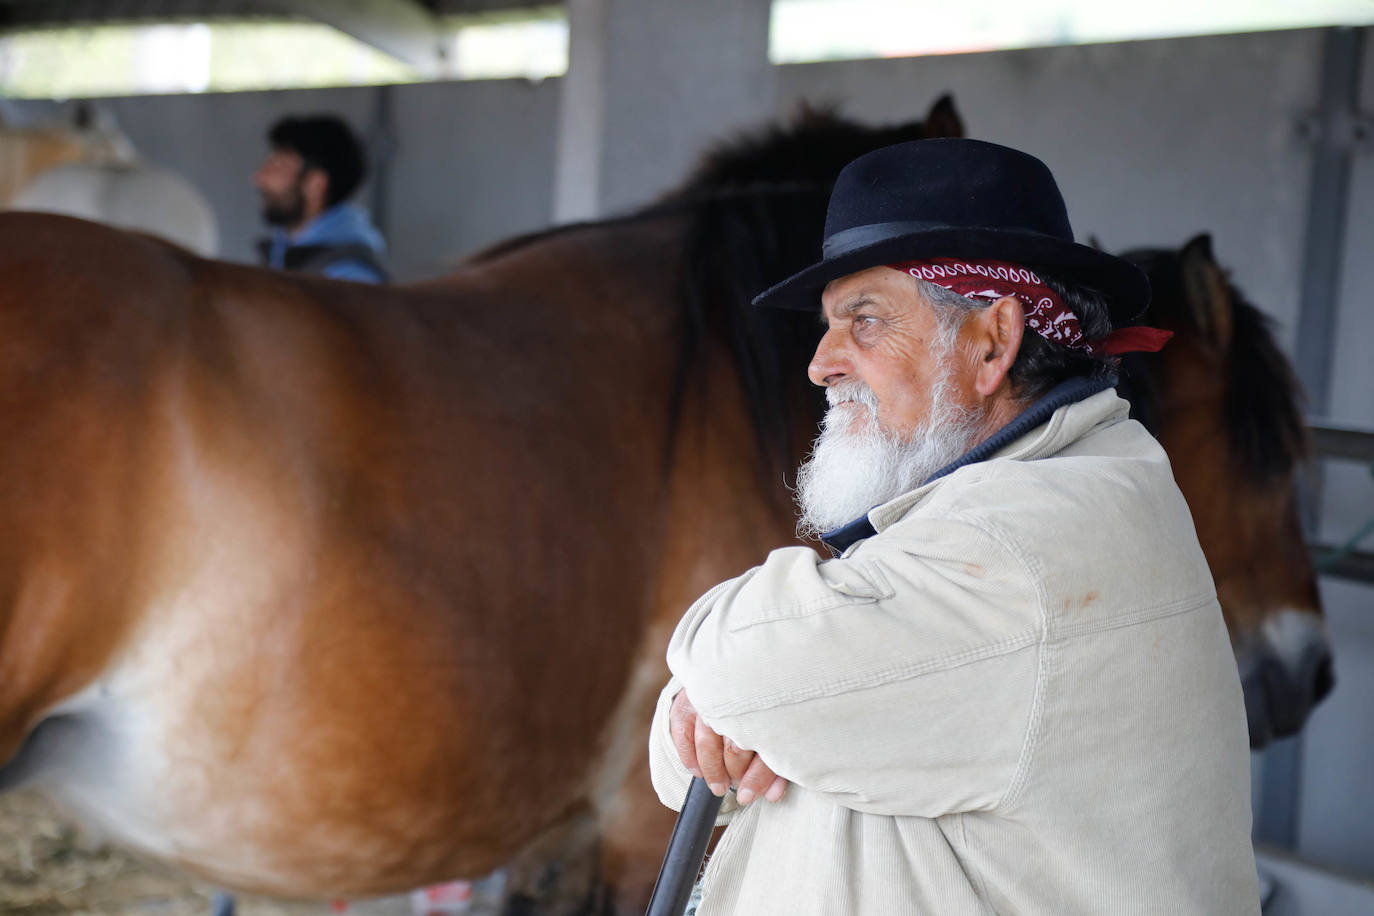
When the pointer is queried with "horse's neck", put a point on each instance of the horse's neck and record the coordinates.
(723, 494)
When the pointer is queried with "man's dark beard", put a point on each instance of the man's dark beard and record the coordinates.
(285, 210)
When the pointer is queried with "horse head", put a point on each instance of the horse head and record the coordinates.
(1225, 403)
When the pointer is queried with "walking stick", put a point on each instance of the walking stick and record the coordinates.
(686, 849)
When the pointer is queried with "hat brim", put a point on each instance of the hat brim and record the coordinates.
(1125, 285)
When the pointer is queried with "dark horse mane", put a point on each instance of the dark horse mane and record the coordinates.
(1263, 413)
(755, 212)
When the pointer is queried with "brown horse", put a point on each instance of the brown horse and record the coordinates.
(1225, 403)
(328, 590)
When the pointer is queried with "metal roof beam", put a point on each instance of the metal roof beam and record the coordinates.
(405, 29)
(19, 14)
(460, 7)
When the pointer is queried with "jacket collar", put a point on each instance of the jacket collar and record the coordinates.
(345, 223)
(1059, 429)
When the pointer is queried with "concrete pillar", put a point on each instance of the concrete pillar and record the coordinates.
(649, 84)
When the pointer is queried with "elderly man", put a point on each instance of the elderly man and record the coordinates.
(1011, 690)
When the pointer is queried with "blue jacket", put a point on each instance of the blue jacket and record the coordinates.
(340, 243)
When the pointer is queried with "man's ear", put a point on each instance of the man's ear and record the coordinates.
(997, 340)
(315, 188)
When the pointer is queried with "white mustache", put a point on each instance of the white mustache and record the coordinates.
(851, 390)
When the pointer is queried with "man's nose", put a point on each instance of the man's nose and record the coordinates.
(830, 362)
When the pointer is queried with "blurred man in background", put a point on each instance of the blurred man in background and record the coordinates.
(315, 165)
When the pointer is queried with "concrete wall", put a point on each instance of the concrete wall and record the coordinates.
(650, 82)
(474, 164)
(1152, 142)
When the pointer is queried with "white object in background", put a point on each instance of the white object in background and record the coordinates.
(128, 195)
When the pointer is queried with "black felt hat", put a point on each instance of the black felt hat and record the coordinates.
(956, 198)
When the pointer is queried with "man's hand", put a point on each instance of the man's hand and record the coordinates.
(717, 759)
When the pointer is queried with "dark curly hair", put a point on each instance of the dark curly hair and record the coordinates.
(324, 142)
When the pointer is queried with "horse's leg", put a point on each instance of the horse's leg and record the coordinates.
(635, 825)
(711, 490)
(635, 835)
(556, 875)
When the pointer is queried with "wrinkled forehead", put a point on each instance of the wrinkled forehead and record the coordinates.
(877, 286)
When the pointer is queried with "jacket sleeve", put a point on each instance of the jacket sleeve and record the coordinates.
(670, 777)
(899, 680)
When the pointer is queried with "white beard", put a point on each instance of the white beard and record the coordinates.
(856, 465)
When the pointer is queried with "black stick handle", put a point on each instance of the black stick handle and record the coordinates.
(686, 849)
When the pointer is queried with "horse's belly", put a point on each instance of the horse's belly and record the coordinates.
(156, 758)
(293, 715)
(107, 760)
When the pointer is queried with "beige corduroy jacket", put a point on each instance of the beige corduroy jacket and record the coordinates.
(1017, 697)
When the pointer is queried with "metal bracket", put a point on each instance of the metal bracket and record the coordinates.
(1343, 130)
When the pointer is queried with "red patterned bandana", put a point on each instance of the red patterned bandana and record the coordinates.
(1046, 313)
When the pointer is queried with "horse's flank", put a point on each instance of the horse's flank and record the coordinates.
(277, 500)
